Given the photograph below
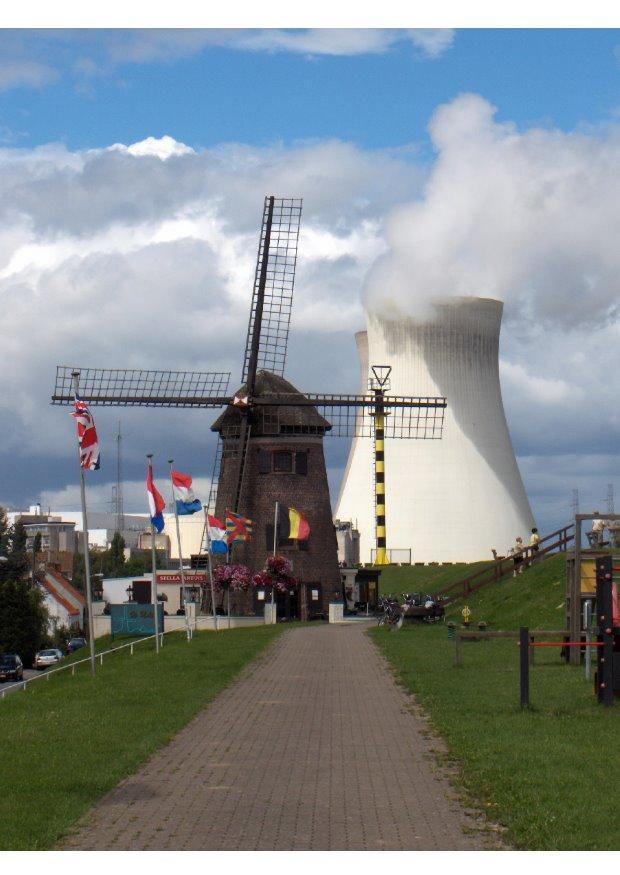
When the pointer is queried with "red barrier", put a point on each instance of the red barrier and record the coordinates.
(566, 644)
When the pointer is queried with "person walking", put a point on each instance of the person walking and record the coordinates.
(517, 557)
(534, 545)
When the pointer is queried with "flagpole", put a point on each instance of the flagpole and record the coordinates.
(176, 519)
(89, 598)
(208, 536)
(149, 456)
(275, 547)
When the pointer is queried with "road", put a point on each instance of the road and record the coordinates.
(11, 687)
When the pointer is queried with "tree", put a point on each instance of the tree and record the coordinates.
(114, 564)
(4, 545)
(23, 618)
(18, 563)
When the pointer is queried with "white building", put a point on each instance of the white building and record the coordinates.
(454, 499)
(64, 604)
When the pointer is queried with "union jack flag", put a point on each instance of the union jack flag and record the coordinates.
(87, 435)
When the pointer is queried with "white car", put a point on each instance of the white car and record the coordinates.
(45, 658)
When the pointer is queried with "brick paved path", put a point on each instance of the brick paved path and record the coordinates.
(313, 748)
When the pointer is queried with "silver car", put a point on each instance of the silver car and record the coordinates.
(45, 658)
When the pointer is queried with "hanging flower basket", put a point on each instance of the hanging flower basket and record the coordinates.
(276, 575)
(231, 577)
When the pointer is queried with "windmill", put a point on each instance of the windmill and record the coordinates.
(270, 434)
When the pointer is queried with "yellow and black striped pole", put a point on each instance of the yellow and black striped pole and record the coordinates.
(381, 557)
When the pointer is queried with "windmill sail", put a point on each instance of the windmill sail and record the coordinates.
(272, 298)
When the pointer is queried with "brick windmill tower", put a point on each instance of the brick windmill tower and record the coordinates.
(284, 463)
(270, 436)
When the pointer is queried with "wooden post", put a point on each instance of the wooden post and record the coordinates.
(574, 655)
(524, 641)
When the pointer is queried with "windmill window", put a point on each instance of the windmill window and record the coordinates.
(264, 462)
(301, 462)
(283, 461)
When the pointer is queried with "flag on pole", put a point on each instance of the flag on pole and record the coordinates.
(238, 528)
(217, 535)
(87, 435)
(292, 525)
(184, 496)
(156, 502)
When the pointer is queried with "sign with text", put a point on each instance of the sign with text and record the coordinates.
(190, 579)
(135, 619)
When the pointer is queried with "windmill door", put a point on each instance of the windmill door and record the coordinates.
(288, 607)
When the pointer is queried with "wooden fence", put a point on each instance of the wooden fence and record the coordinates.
(556, 541)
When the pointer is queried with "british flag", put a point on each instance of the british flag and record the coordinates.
(87, 435)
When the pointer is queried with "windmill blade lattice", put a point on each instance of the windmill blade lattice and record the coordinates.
(406, 417)
(141, 388)
(278, 243)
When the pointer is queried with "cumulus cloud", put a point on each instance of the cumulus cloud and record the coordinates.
(530, 217)
(143, 255)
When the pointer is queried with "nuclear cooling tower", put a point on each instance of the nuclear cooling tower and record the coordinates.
(448, 500)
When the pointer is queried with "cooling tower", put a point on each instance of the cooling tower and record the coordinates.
(448, 500)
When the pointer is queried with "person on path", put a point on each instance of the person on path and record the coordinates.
(595, 537)
(534, 545)
(517, 557)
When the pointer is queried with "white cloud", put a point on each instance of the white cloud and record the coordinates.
(163, 148)
(20, 73)
(526, 216)
(87, 54)
(143, 256)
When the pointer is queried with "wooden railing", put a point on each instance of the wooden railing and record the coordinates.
(556, 541)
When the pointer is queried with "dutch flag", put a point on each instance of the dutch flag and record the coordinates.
(217, 535)
(156, 502)
(186, 501)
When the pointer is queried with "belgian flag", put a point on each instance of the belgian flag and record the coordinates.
(292, 525)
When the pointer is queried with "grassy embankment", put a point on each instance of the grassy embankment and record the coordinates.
(67, 742)
(549, 775)
(396, 579)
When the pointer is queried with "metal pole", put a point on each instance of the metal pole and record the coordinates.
(149, 456)
(89, 598)
(210, 569)
(176, 519)
(275, 547)
(381, 557)
(524, 641)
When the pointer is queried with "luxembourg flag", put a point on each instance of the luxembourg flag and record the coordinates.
(187, 503)
(156, 502)
(217, 535)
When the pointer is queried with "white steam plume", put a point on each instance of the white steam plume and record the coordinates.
(531, 217)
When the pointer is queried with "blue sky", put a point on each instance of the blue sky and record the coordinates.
(497, 150)
(560, 77)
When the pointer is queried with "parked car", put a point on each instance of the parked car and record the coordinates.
(11, 668)
(45, 658)
(75, 644)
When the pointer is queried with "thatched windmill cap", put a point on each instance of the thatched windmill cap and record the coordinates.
(273, 419)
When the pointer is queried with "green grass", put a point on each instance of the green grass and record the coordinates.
(68, 741)
(396, 579)
(534, 598)
(548, 775)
